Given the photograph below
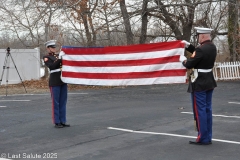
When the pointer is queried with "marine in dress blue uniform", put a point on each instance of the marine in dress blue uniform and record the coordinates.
(58, 88)
(202, 83)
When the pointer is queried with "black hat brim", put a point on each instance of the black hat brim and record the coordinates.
(52, 46)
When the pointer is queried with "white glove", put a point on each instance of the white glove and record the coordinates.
(61, 54)
(182, 58)
(186, 43)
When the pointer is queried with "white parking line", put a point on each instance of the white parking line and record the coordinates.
(168, 134)
(15, 100)
(43, 94)
(77, 93)
(3, 106)
(214, 115)
(234, 102)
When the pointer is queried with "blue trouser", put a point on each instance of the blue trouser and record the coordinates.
(202, 109)
(59, 101)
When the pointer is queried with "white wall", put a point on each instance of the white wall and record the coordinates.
(27, 62)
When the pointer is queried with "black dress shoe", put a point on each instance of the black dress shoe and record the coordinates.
(65, 125)
(199, 143)
(58, 125)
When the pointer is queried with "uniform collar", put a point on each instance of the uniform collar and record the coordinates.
(51, 54)
(207, 41)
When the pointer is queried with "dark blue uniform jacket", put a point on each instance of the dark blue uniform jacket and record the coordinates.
(204, 58)
(52, 62)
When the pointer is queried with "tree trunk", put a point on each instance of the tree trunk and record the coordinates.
(86, 27)
(233, 29)
(126, 22)
(169, 20)
(188, 22)
(144, 22)
(107, 24)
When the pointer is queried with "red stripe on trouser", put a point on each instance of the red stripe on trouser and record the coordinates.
(52, 105)
(197, 117)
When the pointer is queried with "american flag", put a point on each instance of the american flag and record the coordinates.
(143, 64)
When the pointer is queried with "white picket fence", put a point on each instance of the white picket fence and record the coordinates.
(226, 70)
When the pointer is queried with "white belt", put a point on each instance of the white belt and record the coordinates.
(55, 70)
(204, 70)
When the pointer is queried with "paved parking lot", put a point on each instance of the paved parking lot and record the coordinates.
(132, 123)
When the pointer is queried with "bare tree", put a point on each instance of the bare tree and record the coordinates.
(110, 22)
(233, 29)
(180, 16)
(105, 15)
(30, 23)
(127, 24)
(144, 16)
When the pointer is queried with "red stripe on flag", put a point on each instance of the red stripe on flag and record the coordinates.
(121, 63)
(130, 75)
(124, 49)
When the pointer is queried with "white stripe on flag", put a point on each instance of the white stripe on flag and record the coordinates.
(122, 69)
(124, 82)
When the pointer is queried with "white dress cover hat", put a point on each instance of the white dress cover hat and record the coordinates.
(203, 30)
(50, 43)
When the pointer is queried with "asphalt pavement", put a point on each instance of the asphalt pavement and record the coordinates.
(123, 123)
